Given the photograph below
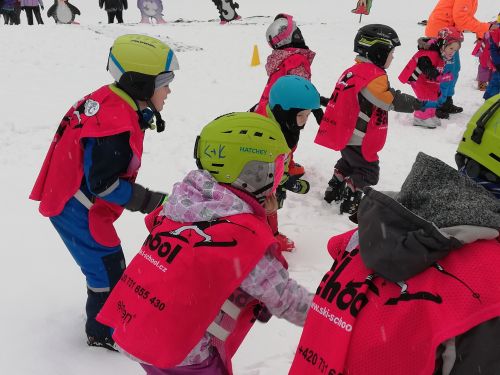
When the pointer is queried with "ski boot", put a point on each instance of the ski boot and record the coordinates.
(102, 342)
(449, 107)
(295, 169)
(351, 201)
(429, 123)
(335, 190)
(440, 113)
(297, 185)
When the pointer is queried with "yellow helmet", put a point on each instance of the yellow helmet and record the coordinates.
(135, 61)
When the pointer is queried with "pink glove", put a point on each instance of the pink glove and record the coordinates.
(446, 77)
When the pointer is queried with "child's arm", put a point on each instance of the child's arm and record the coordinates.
(464, 18)
(105, 160)
(404, 102)
(424, 63)
(270, 283)
(379, 93)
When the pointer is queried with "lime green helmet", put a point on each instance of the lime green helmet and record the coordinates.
(481, 140)
(241, 149)
(140, 63)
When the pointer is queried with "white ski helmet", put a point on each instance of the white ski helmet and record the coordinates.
(283, 32)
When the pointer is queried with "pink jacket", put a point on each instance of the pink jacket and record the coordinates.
(199, 198)
(281, 62)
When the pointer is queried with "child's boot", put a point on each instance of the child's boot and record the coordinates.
(449, 107)
(295, 169)
(297, 185)
(426, 118)
(97, 334)
(335, 190)
(429, 123)
(351, 201)
(440, 113)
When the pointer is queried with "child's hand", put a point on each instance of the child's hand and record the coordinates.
(271, 204)
(425, 65)
(318, 115)
(446, 77)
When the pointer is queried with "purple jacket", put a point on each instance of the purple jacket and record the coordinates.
(200, 198)
(9, 4)
(31, 3)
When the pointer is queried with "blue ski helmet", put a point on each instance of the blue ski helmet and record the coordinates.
(293, 92)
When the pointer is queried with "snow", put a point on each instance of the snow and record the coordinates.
(46, 69)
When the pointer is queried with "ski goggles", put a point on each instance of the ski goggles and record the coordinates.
(286, 32)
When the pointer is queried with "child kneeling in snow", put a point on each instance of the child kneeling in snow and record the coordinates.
(207, 270)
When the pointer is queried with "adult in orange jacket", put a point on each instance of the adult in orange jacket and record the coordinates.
(458, 13)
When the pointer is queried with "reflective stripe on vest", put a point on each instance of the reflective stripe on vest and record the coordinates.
(215, 329)
(83, 199)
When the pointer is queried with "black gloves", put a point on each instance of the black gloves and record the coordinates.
(261, 313)
(318, 114)
(404, 102)
(418, 104)
(144, 200)
(323, 101)
(423, 43)
(425, 65)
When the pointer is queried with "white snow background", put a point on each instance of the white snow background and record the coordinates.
(45, 69)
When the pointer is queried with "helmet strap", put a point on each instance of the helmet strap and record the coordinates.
(159, 122)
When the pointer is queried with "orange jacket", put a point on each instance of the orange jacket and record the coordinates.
(458, 13)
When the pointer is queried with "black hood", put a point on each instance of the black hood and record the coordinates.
(435, 212)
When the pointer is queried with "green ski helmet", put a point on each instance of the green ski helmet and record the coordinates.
(135, 61)
(242, 149)
(481, 140)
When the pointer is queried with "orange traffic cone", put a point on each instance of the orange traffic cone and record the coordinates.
(255, 56)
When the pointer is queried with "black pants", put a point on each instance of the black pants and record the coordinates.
(117, 13)
(352, 164)
(10, 17)
(29, 15)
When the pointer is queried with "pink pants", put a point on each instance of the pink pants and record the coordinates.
(483, 74)
(425, 114)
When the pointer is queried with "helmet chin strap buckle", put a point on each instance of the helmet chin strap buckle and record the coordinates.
(159, 123)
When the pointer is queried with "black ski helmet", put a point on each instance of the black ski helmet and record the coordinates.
(375, 42)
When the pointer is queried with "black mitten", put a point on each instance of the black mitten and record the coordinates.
(144, 200)
(323, 101)
(318, 115)
(425, 65)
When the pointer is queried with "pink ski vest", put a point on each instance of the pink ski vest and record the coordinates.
(290, 63)
(361, 324)
(482, 51)
(342, 112)
(425, 89)
(107, 111)
(183, 276)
